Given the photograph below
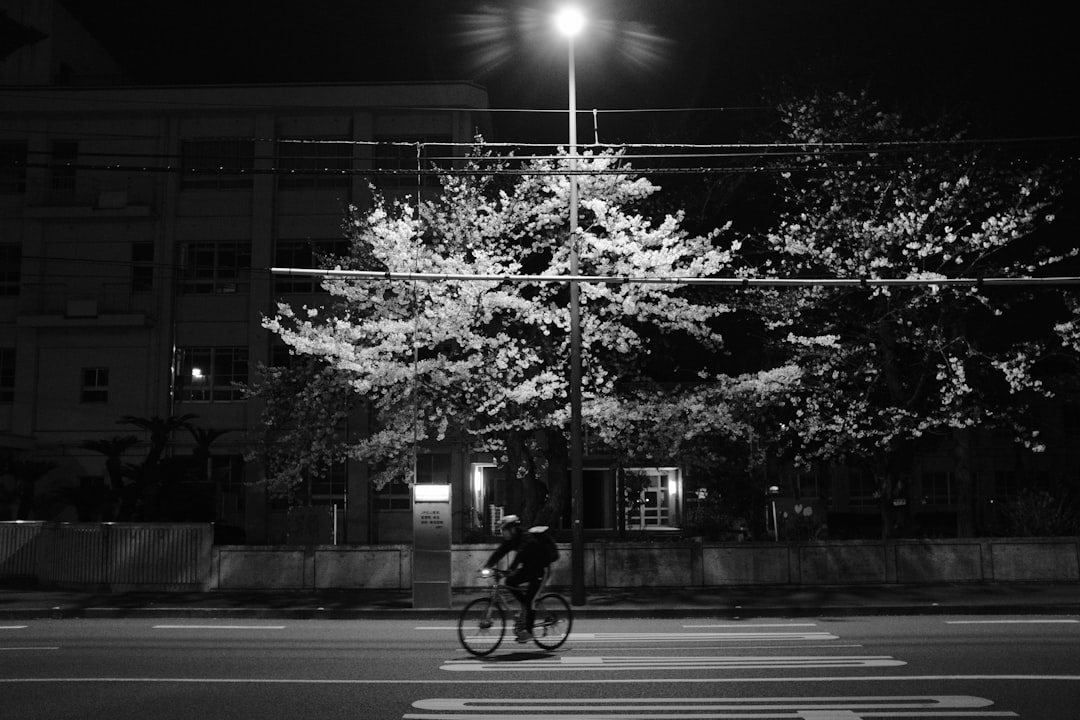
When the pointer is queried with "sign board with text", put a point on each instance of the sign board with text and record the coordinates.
(431, 546)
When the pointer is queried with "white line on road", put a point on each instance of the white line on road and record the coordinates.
(822, 708)
(1007, 622)
(12, 627)
(219, 627)
(554, 681)
(15, 649)
(576, 663)
(698, 637)
(769, 625)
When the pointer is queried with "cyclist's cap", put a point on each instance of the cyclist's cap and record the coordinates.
(509, 521)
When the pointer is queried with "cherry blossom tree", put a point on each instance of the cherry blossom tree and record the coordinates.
(887, 370)
(486, 362)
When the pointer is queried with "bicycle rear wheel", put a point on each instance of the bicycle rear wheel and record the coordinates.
(554, 618)
(481, 627)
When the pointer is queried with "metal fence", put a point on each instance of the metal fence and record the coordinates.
(115, 556)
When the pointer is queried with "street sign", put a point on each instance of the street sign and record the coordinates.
(431, 546)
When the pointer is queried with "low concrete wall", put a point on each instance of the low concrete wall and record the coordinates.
(181, 557)
(690, 564)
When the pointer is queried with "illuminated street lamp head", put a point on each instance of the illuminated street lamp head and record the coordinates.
(570, 20)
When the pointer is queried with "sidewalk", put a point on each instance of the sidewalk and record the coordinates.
(21, 603)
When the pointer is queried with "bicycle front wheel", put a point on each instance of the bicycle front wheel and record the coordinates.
(554, 618)
(481, 627)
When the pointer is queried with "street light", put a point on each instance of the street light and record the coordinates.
(570, 21)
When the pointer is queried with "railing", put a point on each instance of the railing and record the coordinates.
(114, 556)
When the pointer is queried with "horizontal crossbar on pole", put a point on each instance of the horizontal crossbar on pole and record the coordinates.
(678, 279)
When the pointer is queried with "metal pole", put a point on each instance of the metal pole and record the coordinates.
(577, 495)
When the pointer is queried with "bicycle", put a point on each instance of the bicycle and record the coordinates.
(482, 623)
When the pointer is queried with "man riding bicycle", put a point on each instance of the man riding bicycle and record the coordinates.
(527, 571)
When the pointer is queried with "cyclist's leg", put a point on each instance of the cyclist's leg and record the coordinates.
(532, 590)
(525, 589)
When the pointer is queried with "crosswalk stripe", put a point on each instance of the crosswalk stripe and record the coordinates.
(700, 637)
(646, 662)
(818, 708)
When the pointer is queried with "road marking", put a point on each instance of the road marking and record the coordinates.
(16, 649)
(804, 708)
(683, 662)
(12, 627)
(553, 681)
(218, 627)
(699, 637)
(1008, 622)
(768, 625)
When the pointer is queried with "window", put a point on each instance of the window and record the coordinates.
(433, 468)
(142, 267)
(863, 489)
(10, 268)
(217, 268)
(1006, 484)
(314, 164)
(216, 164)
(65, 156)
(7, 375)
(330, 487)
(398, 157)
(393, 496)
(227, 471)
(12, 168)
(811, 484)
(304, 254)
(211, 374)
(937, 488)
(95, 385)
(658, 491)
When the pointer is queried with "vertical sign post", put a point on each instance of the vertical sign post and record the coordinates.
(431, 546)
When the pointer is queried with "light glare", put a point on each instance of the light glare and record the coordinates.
(570, 20)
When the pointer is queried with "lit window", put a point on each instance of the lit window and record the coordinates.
(211, 374)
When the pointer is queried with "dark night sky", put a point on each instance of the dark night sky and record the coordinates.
(1011, 66)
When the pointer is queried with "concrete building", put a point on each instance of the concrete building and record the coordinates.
(137, 226)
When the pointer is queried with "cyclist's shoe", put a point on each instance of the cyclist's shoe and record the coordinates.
(522, 635)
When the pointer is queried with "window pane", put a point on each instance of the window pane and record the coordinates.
(216, 164)
(95, 385)
(216, 268)
(7, 375)
(142, 267)
(12, 168)
(10, 268)
(314, 164)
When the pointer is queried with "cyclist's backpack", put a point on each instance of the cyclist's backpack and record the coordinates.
(543, 536)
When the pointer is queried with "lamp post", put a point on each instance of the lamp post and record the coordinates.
(570, 21)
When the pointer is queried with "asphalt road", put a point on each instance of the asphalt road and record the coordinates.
(691, 669)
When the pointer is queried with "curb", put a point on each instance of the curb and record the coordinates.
(734, 613)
